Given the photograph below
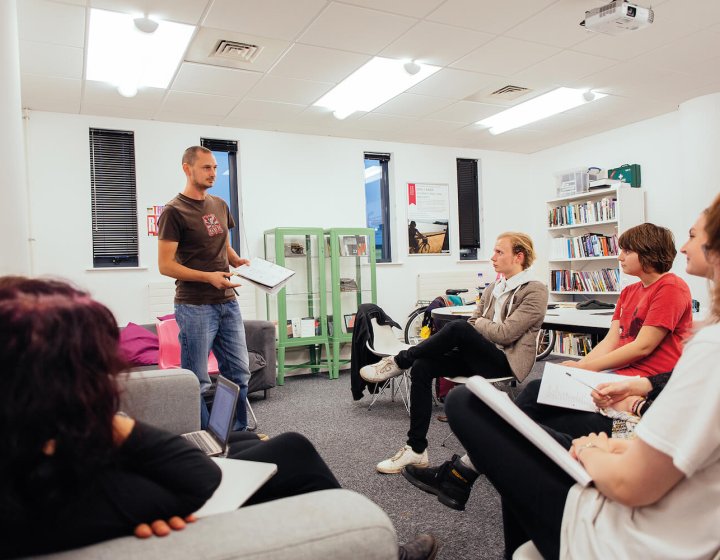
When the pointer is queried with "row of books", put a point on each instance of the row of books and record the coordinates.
(572, 343)
(587, 212)
(603, 280)
(583, 246)
(301, 327)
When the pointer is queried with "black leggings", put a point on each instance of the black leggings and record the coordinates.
(300, 467)
(572, 423)
(532, 488)
(457, 349)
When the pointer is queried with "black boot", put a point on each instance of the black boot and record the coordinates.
(451, 482)
(422, 547)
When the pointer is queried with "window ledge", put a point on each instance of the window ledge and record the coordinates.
(394, 263)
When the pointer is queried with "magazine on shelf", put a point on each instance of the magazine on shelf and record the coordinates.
(500, 402)
(267, 276)
(569, 387)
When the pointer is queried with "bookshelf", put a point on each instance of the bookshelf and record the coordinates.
(583, 230)
(350, 283)
(299, 310)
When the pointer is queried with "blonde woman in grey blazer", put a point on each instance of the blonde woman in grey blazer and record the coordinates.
(497, 341)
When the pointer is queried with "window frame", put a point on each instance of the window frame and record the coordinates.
(113, 198)
(384, 160)
(230, 147)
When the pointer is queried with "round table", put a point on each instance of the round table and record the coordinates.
(443, 315)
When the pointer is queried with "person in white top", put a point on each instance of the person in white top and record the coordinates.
(654, 496)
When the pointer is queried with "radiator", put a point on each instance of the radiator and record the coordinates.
(161, 295)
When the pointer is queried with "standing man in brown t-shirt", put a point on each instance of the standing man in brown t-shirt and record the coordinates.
(194, 248)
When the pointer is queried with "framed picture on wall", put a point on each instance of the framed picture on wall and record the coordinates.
(349, 322)
(428, 215)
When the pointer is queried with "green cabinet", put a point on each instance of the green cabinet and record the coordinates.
(350, 282)
(299, 309)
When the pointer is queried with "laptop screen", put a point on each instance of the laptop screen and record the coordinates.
(223, 410)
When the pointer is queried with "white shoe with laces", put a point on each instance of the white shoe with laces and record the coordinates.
(406, 456)
(381, 371)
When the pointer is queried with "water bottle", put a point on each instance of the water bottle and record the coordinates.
(480, 285)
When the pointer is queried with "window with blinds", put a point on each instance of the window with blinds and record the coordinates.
(468, 208)
(226, 181)
(114, 198)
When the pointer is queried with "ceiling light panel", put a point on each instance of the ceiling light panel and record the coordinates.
(121, 54)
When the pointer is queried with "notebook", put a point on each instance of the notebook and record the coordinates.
(213, 441)
(240, 480)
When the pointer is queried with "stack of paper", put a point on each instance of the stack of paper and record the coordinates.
(267, 276)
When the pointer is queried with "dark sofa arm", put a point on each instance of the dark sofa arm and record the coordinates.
(260, 337)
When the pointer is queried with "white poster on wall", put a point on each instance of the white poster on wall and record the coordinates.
(428, 217)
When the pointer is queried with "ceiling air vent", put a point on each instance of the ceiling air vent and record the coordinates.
(239, 52)
(510, 92)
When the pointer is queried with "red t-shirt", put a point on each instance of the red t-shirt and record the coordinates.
(666, 303)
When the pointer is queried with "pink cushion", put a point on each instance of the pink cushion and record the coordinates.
(166, 317)
(139, 345)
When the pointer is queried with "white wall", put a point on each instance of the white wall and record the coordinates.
(677, 153)
(286, 180)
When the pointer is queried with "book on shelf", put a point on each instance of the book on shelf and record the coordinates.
(584, 246)
(307, 327)
(267, 276)
(571, 343)
(295, 327)
(348, 285)
(603, 280)
(590, 211)
(500, 402)
(569, 387)
(348, 246)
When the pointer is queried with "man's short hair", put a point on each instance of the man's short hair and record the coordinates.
(190, 155)
(654, 245)
(521, 243)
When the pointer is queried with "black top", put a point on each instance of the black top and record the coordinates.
(155, 475)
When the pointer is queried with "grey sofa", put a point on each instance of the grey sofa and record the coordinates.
(260, 338)
(332, 524)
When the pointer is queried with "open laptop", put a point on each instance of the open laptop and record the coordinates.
(213, 441)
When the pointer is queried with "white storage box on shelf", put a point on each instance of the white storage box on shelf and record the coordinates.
(575, 181)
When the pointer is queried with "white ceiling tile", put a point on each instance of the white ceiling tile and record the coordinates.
(448, 43)
(562, 68)
(116, 111)
(557, 25)
(355, 29)
(280, 19)
(432, 126)
(376, 122)
(65, 96)
(189, 117)
(452, 84)
(181, 11)
(505, 56)
(467, 112)
(201, 78)
(487, 15)
(265, 110)
(412, 8)
(412, 105)
(307, 62)
(51, 60)
(688, 55)
(289, 90)
(104, 94)
(50, 22)
(249, 123)
(198, 104)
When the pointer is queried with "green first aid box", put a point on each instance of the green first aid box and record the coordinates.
(627, 173)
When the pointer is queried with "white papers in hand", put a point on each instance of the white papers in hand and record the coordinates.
(267, 276)
(240, 480)
(572, 391)
(506, 409)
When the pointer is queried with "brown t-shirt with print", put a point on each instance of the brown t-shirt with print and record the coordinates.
(201, 228)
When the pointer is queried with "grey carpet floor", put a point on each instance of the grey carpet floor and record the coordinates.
(352, 440)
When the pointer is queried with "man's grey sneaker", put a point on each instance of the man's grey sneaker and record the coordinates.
(381, 371)
(422, 547)
(406, 456)
(451, 482)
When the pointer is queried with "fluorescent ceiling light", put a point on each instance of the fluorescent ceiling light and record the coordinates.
(373, 84)
(541, 107)
(130, 55)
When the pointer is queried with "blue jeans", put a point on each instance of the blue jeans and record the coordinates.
(217, 327)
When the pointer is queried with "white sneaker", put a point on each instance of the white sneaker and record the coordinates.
(406, 456)
(381, 371)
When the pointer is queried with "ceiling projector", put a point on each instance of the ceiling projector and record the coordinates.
(617, 17)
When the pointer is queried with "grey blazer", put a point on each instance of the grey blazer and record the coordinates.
(517, 331)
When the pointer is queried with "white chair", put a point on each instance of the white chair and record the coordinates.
(527, 551)
(385, 343)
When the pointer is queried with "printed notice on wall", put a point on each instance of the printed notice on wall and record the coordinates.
(428, 218)
(153, 215)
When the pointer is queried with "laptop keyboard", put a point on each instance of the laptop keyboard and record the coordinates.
(198, 439)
